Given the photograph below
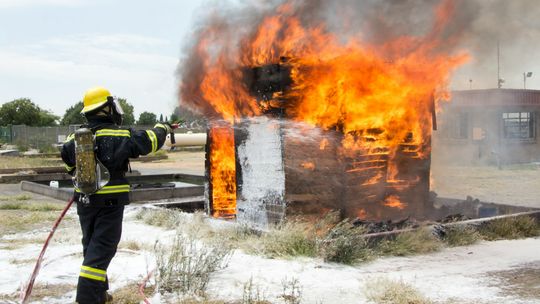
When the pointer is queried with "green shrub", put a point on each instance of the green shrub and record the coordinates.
(187, 264)
(408, 243)
(461, 236)
(345, 244)
(510, 228)
(289, 240)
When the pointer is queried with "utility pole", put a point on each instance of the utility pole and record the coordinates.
(499, 84)
(525, 76)
(500, 81)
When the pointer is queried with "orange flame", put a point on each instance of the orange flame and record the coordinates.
(393, 201)
(308, 165)
(323, 144)
(222, 171)
(376, 94)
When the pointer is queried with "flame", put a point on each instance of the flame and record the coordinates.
(222, 171)
(374, 180)
(323, 144)
(379, 95)
(308, 165)
(393, 201)
(361, 214)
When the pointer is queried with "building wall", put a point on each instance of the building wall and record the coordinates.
(484, 142)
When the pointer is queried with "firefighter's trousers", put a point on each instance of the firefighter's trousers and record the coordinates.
(101, 229)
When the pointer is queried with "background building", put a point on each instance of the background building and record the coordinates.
(493, 126)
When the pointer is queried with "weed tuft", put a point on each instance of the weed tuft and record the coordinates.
(160, 217)
(21, 197)
(345, 244)
(408, 243)
(31, 206)
(252, 294)
(510, 228)
(292, 291)
(288, 240)
(187, 264)
(129, 294)
(385, 291)
(461, 236)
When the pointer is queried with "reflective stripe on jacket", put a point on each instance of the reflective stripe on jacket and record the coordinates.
(115, 145)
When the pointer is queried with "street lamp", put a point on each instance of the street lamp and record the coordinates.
(525, 76)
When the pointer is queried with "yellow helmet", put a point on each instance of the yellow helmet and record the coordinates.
(95, 98)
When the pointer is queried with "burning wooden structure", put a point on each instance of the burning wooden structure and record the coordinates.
(307, 117)
(265, 168)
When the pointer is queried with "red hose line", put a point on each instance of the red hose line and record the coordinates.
(25, 296)
(143, 284)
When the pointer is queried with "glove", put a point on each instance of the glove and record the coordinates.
(167, 126)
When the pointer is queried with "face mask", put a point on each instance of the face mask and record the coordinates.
(118, 106)
(117, 111)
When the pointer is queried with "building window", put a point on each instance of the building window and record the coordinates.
(458, 126)
(518, 125)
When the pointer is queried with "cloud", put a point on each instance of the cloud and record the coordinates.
(57, 71)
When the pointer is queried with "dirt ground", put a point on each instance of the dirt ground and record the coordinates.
(189, 162)
(522, 281)
(488, 272)
(514, 185)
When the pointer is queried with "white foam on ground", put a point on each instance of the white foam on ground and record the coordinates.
(451, 273)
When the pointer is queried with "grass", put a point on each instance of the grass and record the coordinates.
(22, 261)
(160, 217)
(21, 197)
(345, 244)
(385, 291)
(131, 245)
(335, 241)
(129, 294)
(461, 236)
(252, 294)
(10, 162)
(13, 222)
(31, 206)
(510, 228)
(288, 240)
(41, 292)
(418, 241)
(187, 264)
(291, 291)
(13, 244)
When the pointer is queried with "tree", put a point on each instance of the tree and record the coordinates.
(184, 115)
(23, 111)
(46, 118)
(129, 118)
(146, 118)
(175, 118)
(73, 115)
(160, 117)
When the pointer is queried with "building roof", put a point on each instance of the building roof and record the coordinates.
(496, 97)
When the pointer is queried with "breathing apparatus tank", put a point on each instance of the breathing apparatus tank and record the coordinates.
(90, 174)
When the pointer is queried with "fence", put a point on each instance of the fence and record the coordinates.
(5, 134)
(44, 138)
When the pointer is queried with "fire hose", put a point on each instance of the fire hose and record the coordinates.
(143, 285)
(27, 289)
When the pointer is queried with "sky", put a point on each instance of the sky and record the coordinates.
(52, 51)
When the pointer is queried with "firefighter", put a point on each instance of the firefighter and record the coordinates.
(101, 213)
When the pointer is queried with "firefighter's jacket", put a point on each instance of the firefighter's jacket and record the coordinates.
(114, 147)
